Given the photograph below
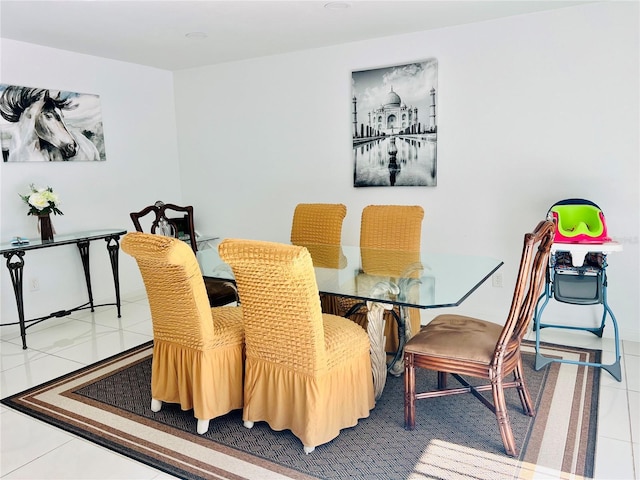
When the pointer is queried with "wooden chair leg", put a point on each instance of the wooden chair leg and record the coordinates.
(442, 380)
(523, 391)
(409, 392)
(503, 418)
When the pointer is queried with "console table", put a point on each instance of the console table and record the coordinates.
(14, 253)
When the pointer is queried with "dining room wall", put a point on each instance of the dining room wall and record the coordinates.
(531, 109)
(141, 167)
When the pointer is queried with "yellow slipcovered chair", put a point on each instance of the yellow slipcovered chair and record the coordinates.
(198, 351)
(318, 227)
(396, 228)
(305, 371)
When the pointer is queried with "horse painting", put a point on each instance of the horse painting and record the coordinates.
(39, 131)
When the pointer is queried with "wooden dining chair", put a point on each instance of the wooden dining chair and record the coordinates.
(198, 359)
(396, 228)
(461, 345)
(169, 220)
(177, 221)
(305, 371)
(318, 227)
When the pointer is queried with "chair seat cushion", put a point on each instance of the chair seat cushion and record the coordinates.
(457, 337)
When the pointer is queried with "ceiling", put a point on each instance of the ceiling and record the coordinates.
(153, 33)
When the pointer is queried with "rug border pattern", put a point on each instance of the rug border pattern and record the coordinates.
(33, 402)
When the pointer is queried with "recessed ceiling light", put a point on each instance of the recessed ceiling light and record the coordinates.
(337, 5)
(196, 35)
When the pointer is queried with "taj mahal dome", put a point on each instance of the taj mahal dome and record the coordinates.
(393, 116)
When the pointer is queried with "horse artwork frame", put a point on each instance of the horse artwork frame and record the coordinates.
(47, 125)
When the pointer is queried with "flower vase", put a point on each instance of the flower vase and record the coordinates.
(45, 227)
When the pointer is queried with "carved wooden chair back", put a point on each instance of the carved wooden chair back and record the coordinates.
(167, 223)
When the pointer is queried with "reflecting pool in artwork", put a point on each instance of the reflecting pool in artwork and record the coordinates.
(399, 160)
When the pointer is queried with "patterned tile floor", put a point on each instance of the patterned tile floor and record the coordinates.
(30, 449)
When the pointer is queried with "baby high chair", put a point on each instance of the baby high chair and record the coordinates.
(577, 272)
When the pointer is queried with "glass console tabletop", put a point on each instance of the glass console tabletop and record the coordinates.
(62, 239)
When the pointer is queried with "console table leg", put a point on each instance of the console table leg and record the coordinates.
(114, 247)
(83, 246)
(16, 272)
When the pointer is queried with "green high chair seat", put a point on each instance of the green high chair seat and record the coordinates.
(579, 221)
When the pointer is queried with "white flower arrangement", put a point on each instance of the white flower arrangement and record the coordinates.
(42, 201)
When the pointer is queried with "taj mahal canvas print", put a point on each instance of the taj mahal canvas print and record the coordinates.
(394, 125)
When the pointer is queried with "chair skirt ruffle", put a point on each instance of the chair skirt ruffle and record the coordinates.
(314, 409)
(209, 381)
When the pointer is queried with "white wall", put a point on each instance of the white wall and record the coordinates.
(532, 109)
(142, 167)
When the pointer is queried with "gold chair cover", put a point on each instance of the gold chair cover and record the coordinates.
(198, 350)
(305, 371)
(318, 226)
(397, 228)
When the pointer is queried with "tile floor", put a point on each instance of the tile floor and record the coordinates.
(30, 449)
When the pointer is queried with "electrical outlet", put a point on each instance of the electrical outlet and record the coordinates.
(497, 279)
(34, 285)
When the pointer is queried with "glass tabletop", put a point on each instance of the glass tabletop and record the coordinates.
(61, 239)
(423, 280)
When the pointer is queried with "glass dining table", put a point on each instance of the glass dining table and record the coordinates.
(382, 279)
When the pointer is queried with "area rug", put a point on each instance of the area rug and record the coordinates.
(455, 437)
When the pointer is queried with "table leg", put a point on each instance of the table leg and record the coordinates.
(406, 285)
(83, 247)
(375, 330)
(396, 367)
(113, 248)
(16, 272)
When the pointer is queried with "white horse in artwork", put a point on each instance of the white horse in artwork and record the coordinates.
(41, 133)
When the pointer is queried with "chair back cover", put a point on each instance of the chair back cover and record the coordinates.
(318, 226)
(175, 288)
(390, 237)
(393, 227)
(281, 305)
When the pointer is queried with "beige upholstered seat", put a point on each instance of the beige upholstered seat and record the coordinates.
(318, 227)
(305, 371)
(177, 221)
(462, 345)
(388, 227)
(198, 350)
